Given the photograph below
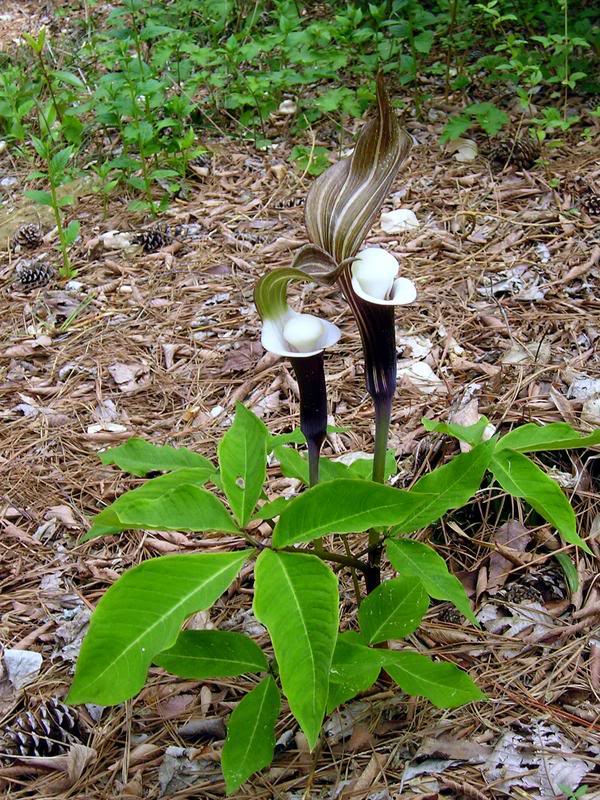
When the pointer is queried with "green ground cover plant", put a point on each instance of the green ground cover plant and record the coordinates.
(144, 86)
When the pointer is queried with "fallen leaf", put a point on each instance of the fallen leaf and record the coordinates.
(514, 535)
(29, 347)
(419, 375)
(62, 514)
(21, 666)
(130, 377)
(533, 759)
(399, 220)
(530, 353)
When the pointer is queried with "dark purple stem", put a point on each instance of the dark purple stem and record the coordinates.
(310, 374)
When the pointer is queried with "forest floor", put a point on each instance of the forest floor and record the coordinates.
(162, 346)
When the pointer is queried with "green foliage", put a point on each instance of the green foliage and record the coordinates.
(296, 598)
(555, 436)
(140, 615)
(444, 684)
(346, 506)
(251, 734)
(243, 462)
(212, 654)
(174, 501)
(412, 558)
(393, 610)
(157, 76)
(520, 477)
(139, 620)
(140, 457)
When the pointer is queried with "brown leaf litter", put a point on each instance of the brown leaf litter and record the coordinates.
(163, 345)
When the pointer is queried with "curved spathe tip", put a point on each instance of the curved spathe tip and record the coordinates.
(273, 339)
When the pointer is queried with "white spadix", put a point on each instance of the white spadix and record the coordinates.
(374, 278)
(303, 332)
(375, 270)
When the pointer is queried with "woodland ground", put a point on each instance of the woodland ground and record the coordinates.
(163, 345)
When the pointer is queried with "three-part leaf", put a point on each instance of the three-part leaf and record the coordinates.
(251, 734)
(212, 654)
(296, 598)
(139, 457)
(444, 684)
(174, 501)
(140, 615)
(409, 557)
(520, 477)
(393, 610)
(243, 462)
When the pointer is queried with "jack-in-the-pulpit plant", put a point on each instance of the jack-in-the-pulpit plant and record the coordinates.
(314, 661)
(302, 338)
(340, 208)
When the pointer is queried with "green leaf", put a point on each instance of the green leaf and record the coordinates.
(455, 127)
(40, 197)
(409, 557)
(69, 77)
(569, 570)
(354, 669)
(340, 506)
(353, 506)
(212, 654)
(140, 615)
(243, 460)
(72, 232)
(444, 684)
(294, 465)
(272, 509)
(466, 433)
(520, 477)
(555, 436)
(250, 740)
(59, 160)
(296, 598)
(170, 502)
(393, 610)
(423, 41)
(139, 457)
(447, 487)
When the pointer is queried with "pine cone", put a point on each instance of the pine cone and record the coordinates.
(154, 238)
(291, 202)
(27, 236)
(593, 101)
(201, 165)
(590, 203)
(32, 274)
(48, 730)
(451, 615)
(523, 153)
